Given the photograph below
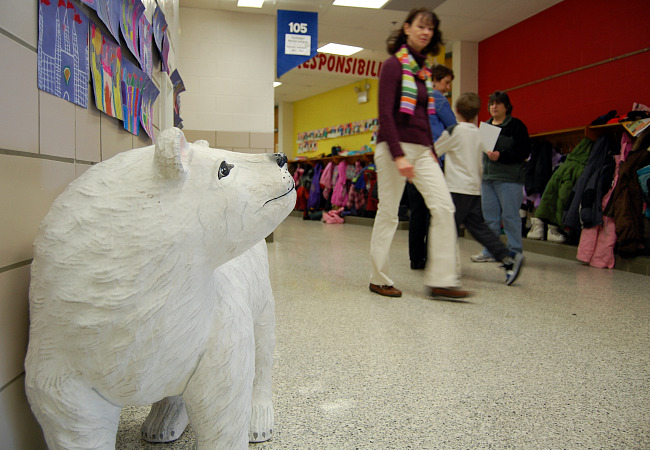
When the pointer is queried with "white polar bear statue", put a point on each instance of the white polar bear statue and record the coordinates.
(124, 307)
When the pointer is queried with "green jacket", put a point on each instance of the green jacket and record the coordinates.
(556, 197)
(513, 145)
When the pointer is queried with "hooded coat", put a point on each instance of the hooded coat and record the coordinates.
(556, 197)
(585, 210)
(626, 202)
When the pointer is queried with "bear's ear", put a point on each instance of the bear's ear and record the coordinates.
(202, 143)
(172, 154)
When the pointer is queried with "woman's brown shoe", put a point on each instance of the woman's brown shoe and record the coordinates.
(387, 291)
(454, 293)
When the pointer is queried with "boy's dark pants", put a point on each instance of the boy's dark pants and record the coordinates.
(470, 214)
(418, 224)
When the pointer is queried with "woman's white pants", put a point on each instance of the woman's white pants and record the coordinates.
(442, 265)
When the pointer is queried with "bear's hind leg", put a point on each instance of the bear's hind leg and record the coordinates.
(166, 421)
(71, 414)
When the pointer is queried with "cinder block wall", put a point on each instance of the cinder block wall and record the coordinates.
(237, 141)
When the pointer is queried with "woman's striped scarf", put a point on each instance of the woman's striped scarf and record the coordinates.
(409, 89)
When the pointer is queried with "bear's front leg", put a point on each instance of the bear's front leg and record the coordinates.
(219, 394)
(262, 419)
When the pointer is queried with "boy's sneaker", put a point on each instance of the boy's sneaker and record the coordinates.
(482, 257)
(512, 265)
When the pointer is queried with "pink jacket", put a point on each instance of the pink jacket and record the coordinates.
(596, 246)
(340, 194)
(326, 180)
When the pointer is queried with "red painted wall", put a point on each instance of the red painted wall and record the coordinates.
(568, 36)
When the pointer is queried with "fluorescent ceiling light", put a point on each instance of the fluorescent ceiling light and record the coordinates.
(339, 49)
(376, 4)
(250, 3)
(276, 84)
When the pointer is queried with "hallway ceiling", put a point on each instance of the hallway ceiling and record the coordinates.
(461, 20)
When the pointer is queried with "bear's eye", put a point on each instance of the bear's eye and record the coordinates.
(224, 169)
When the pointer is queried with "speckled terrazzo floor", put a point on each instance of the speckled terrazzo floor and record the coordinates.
(561, 359)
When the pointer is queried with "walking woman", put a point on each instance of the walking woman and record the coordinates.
(405, 151)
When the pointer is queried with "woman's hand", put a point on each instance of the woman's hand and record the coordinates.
(404, 167)
(493, 156)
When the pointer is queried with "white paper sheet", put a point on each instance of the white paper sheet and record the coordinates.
(489, 134)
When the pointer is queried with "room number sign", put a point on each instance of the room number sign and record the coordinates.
(297, 38)
(297, 27)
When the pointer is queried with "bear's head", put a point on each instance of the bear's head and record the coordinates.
(175, 202)
(243, 196)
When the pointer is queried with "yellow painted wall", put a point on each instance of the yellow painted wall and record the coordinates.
(336, 107)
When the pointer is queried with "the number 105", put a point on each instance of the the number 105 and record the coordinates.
(298, 27)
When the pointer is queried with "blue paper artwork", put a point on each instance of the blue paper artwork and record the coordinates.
(159, 28)
(179, 86)
(133, 82)
(146, 55)
(160, 37)
(149, 96)
(164, 55)
(63, 51)
(130, 25)
(106, 69)
(110, 12)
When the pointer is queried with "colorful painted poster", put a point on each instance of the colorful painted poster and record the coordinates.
(146, 55)
(63, 51)
(132, 85)
(130, 24)
(149, 96)
(110, 11)
(179, 86)
(159, 28)
(106, 66)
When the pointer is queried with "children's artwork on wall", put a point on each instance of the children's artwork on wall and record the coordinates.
(110, 11)
(308, 140)
(106, 65)
(146, 56)
(179, 86)
(132, 85)
(130, 24)
(164, 55)
(159, 27)
(63, 51)
(345, 129)
(149, 96)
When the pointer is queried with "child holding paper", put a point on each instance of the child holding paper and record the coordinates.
(463, 170)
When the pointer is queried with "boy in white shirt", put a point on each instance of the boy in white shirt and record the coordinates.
(463, 170)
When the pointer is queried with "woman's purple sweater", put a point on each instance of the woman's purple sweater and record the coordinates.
(395, 126)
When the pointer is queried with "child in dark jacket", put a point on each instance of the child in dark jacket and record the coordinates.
(463, 170)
